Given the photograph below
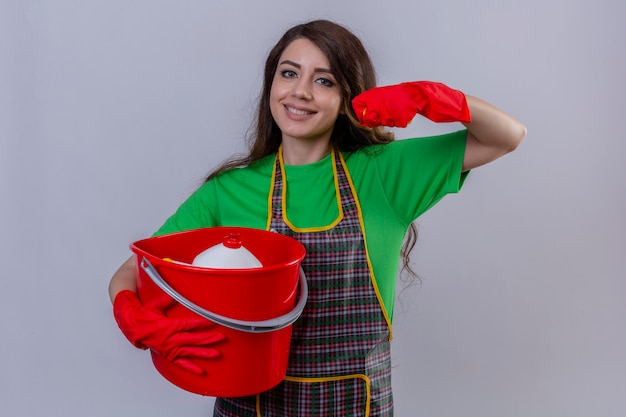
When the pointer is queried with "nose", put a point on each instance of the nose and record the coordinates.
(302, 90)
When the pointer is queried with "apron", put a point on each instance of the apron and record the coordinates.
(339, 361)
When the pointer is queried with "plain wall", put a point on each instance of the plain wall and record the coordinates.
(112, 112)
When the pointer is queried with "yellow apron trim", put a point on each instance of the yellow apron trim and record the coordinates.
(284, 198)
(338, 378)
(368, 393)
(367, 253)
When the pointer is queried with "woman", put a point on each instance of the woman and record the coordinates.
(353, 193)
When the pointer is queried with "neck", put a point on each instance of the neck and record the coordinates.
(302, 153)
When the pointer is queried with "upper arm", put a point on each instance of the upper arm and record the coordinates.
(477, 154)
(491, 134)
(125, 278)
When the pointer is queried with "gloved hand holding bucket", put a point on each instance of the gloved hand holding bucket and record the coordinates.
(179, 340)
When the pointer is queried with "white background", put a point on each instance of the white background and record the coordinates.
(112, 111)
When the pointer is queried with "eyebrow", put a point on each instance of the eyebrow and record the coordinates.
(295, 64)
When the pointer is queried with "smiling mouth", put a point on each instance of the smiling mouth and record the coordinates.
(297, 111)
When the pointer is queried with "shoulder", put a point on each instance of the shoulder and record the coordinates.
(398, 164)
(408, 148)
(398, 145)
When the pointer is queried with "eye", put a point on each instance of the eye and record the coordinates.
(288, 73)
(325, 82)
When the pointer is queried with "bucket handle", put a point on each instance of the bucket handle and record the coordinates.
(263, 326)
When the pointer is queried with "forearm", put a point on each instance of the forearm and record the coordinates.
(492, 133)
(125, 278)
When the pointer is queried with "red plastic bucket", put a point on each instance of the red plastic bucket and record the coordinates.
(253, 308)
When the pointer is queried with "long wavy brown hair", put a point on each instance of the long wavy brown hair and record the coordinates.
(354, 72)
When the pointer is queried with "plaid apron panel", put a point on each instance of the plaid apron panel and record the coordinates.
(341, 332)
(342, 321)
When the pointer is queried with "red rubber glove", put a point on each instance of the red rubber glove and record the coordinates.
(396, 105)
(176, 339)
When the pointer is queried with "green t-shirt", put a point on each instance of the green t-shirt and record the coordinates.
(395, 183)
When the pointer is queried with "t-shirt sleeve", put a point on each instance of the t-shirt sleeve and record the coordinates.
(417, 173)
(199, 210)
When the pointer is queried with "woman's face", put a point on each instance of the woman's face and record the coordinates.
(305, 97)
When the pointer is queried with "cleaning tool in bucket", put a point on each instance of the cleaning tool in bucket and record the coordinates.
(254, 308)
(229, 254)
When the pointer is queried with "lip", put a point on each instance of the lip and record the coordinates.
(296, 112)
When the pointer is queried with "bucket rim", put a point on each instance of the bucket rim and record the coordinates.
(183, 266)
(298, 257)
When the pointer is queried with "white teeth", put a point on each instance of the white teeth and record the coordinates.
(296, 111)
